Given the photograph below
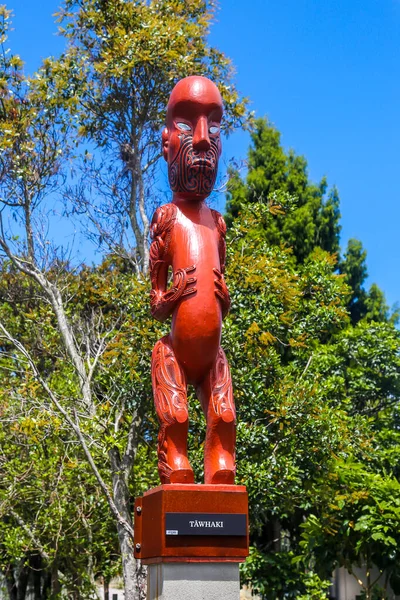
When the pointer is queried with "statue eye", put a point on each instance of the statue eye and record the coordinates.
(184, 127)
(214, 129)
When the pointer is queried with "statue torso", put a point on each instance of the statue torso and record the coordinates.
(196, 321)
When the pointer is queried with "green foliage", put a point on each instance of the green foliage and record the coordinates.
(281, 575)
(314, 221)
(314, 356)
(354, 268)
(358, 521)
(76, 344)
(130, 54)
(360, 368)
(51, 505)
(316, 377)
(273, 575)
(34, 146)
(369, 305)
(376, 307)
(316, 588)
(288, 433)
(114, 79)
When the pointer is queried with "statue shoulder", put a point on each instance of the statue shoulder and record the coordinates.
(161, 228)
(163, 220)
(220, 222)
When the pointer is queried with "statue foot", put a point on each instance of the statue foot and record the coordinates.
(223, 476)
(181, 476)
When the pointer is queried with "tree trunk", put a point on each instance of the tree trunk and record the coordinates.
(35, 562)
(22, 583)
(46, 589)
(106, 585)
(11, 584)
(128, 565)
(37, 584)
(55, 582)
(141, 579)
(368, 594)
(276, 534)
(121, 499)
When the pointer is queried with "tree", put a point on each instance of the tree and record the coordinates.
(360, 368)
(315, 391)
(312, 217)
(370, 305)
(33, 145)
(318, 387)
(121, 64)
(113, 84)
(56, 531)
(354, 268)
(358, 525)
(34, 408)
(376, 308)
(288, 432)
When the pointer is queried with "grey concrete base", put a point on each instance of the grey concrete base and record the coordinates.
(193, 581)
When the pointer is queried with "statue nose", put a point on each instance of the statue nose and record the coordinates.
(201, 141)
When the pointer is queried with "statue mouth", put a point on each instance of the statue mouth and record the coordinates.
(202, 162)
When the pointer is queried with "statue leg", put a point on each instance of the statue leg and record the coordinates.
(170, 399)
(216, 397)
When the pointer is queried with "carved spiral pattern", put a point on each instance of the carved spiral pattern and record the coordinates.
(221, 386)
(160, 232)
(169, 386)
(164, 469)
(193, 171)
(169, 390)
(221, 227)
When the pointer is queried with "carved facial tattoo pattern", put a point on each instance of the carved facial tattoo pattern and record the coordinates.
(192, 170)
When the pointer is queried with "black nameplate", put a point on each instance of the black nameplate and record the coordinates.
(205, 524)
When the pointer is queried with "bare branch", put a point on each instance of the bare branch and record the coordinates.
(53, 294)
(131, 446)
(74, 425)
(29, 533)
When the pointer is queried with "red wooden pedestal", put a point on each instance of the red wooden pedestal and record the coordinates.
(152, 545)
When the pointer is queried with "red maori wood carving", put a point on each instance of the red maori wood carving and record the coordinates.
(189, 238)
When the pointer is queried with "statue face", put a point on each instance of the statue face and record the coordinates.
(191, 140)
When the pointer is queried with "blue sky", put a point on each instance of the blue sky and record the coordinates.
(327, 74)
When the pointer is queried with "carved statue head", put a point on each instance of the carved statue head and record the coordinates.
(191, 139)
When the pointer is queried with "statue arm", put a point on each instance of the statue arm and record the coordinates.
(163, 301)
(221, 289)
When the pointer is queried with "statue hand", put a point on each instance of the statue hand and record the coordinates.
(182, 285)
(163, 303)
(222, 293)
